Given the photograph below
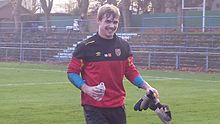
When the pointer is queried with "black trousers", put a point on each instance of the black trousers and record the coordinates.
(94, 115)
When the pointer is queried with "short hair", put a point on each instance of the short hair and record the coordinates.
(108, 10)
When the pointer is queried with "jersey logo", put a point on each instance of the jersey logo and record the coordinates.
(98, 54)
(118, 52)
(108, 55)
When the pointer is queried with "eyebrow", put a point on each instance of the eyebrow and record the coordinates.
(111, 20)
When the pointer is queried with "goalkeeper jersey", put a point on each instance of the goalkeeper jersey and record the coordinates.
(104, 60)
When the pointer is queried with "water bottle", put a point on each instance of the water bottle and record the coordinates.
(101, 88)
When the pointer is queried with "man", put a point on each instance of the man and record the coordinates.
(105, 58)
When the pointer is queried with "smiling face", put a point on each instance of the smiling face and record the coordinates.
(108, 20)
(108, 25)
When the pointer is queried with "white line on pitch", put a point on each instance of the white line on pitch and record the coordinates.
(151, 77)
(31, 84)
(168, 78)
(50, 70)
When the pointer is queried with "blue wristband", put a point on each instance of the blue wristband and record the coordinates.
(76, 80)
(138, 81)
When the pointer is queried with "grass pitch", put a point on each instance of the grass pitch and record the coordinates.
(41, 94)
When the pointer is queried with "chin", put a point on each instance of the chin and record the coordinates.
(108, 36)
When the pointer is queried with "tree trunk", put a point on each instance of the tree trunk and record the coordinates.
(179, 16)
(126, 14)
(170, 6)
(83, 6)
(16, 14)
(34, 7)
(47, 6)
(158, 6)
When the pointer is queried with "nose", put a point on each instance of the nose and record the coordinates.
(111, 25)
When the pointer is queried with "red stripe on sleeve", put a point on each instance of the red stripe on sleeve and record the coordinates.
(75, 65)
(131, 72)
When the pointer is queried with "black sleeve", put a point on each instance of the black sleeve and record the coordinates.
(79, 51)
(128, 48)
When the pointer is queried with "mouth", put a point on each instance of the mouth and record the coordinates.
(110, 30)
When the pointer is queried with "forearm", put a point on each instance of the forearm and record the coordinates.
(146, 86)
(76, 80)
(141, 83)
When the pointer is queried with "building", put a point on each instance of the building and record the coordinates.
(6, 15)
(6, 11)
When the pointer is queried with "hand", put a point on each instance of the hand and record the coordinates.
(148, 88)
(92, 91)
(156, 93)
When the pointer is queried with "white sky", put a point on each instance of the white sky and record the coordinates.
(57, 5)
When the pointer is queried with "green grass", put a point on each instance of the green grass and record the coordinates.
(41, 94)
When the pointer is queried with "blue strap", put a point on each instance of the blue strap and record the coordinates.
(138, 81)
(76, 80)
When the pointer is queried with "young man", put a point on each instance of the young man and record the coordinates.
(105, 58)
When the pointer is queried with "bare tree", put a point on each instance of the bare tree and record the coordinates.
(31, 5)
(158, 6)
(179, 15)
(143, 5)
(83, 5)
(126, 13)
(35, 6)
(170, 6)
(16, 12)
(47, 6)
(72, 7)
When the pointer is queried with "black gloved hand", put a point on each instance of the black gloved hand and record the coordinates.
(150, 101)
(144, 102)
(164, 114)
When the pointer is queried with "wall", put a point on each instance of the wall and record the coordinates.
(181, 51)
(192, 19)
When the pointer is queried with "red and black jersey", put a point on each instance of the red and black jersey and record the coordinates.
(104, 60)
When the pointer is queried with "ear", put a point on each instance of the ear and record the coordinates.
(98, 21)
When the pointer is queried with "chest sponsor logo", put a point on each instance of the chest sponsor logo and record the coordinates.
(108, 55)
(118, 52)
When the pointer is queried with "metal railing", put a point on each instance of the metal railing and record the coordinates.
(205, 59)
(177, 57)
(29, 54)
(204, 56)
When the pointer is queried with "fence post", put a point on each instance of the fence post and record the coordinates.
(40, 55)
(177, 61)
(207, 62)
(21, 54)
(149, 59)
(6, 54)
(21, 43)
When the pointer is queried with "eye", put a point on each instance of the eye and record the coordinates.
(115, 22)
(108, 21)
